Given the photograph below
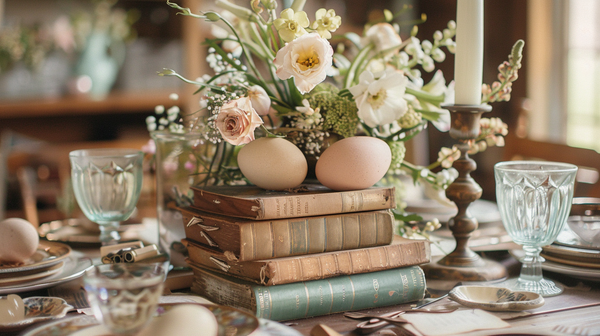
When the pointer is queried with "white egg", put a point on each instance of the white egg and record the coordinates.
(183, 320)
(11, 309)
(18, 240)
(354, 163)
(273, 163)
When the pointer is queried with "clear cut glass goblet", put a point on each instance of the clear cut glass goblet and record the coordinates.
(107, 185)
(534, 199)
(124, 296)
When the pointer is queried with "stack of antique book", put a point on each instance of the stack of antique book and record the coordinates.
(290, 255)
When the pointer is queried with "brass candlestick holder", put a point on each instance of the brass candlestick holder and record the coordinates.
(463, 264)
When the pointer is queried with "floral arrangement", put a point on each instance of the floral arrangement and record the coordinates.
(104, 17)
(29, 44)
(277, 73)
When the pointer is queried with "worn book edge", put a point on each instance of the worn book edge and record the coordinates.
(254, 204)
(268, 272)
(313, 298)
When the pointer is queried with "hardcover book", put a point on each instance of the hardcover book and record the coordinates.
(307, 200)
(313, 298)
(245, 239)
(268, 272)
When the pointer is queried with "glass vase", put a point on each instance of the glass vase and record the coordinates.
(182, 160)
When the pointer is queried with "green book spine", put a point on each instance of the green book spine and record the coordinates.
(339, 294)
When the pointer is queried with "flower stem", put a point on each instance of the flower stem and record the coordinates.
(422, 95)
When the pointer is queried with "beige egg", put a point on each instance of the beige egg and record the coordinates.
(353, 163)
(12, 309)
(18, 240)
(273, 163)
(183, 320)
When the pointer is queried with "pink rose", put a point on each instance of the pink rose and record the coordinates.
(307, 59)
(237, 120)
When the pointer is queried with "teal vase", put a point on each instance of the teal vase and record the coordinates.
(101, 61)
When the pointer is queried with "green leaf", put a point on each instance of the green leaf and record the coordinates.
(354, 38)
(296, 95)
(430, 115)
(341, 62)
(406, 217)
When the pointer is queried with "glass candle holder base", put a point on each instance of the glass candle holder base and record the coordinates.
(545, 287)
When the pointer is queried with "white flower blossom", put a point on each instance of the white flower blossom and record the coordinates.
(307, 59)
(379, 97)
(260, 99)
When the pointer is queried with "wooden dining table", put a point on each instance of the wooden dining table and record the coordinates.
(574, 312)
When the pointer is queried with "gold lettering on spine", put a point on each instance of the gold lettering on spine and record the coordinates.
(261, 300)
(404, 280)
(278, 207)
(320, 295)
(298, 206)
(376, 288)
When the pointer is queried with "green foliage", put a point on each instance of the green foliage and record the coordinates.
(339, 112)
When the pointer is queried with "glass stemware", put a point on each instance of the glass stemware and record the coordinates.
(107, 185)
(534, 199)
(124, 296)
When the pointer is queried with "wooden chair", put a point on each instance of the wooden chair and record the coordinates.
(588, 161)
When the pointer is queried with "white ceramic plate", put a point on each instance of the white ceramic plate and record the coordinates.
(19, 279)
(38, 309)
(47, 255)
(569, 238)
(74, 267)
(88, 325)
(591, 274)
(485, 211)
(495, 298)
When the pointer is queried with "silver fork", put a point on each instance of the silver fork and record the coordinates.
(572, 330)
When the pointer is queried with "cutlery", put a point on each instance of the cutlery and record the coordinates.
(357, 315)
(377, 322)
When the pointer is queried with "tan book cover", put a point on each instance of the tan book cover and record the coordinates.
(246, 239)
(268, 272)
(307, 200)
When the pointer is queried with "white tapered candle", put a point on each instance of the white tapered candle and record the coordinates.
(468, 66)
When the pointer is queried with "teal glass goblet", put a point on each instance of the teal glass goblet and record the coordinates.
(107, 185)
(534, 198)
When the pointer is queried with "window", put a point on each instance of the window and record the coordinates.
(583, 74)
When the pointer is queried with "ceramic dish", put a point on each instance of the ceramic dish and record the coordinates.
(82, 232)
(38, 309)
(232, 322)
(583, 273)
(572, 253)
(484, 211)
(47, 255)
(495, 298)
(570, 262)
(569, 238)
(73, 268)
(19, 278)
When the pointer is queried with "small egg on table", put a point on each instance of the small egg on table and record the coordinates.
(18, 240)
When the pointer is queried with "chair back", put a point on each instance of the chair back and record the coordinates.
(588, 160)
